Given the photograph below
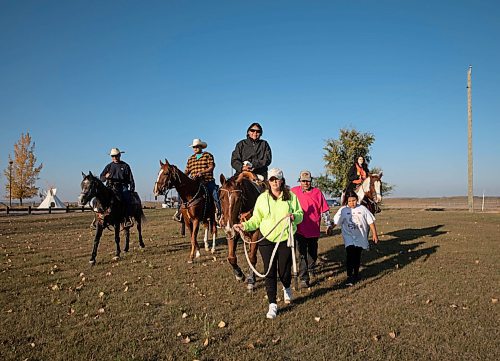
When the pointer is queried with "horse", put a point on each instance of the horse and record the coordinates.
(369, 193)
(238, 195)
(110, 211)
(197, 205)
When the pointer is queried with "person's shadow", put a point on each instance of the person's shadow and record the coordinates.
(387, 256)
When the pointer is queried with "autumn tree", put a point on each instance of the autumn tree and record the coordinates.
(339, 157)
(24, 171)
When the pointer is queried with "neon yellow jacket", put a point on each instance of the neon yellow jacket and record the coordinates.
(268, 212)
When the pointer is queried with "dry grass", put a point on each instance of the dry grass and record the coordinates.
(432, 282)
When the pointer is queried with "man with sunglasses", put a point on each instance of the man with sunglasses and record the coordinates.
(315, 207)
(119, 178)
(252, 154)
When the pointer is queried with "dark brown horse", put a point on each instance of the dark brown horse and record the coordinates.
(109, 211)
(197, 205)
(238, 196)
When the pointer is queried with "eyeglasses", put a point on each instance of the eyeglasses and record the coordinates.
(115, 156)
(305, 181)
(258, 131)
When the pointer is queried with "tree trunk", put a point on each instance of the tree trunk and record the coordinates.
(21, 201)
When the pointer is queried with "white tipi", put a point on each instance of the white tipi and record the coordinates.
(51, 200)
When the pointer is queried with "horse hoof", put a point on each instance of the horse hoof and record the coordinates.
(239, 277)
(213, 250)
(142, 245)
(197, 254)
(92, 262)
(190, 261)
(125, 250)
(250, 287)
(116, 258)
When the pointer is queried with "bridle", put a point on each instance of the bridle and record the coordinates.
(91, 191)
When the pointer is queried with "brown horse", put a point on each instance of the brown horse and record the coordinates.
(197, 205)
(238, 196)
(370, 194)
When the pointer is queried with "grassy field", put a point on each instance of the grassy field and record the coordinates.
(430, 291)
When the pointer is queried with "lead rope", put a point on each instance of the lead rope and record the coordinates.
(290, 243)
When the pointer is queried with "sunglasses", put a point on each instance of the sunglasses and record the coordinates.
(305, 181)
(273, 179)
(258, 131)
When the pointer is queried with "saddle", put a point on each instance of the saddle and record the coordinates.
(254, 178)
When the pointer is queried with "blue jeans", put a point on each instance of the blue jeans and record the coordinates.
(214, 190)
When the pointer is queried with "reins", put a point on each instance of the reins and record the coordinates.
(290, 243)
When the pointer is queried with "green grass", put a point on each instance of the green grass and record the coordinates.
(432, 281)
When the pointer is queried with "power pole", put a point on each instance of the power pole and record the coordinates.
(470, 193)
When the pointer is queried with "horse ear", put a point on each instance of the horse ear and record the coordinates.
(90, 173)
(83, 174)
(166, 162)
(161, 163)
(222, 179)
(381, 174)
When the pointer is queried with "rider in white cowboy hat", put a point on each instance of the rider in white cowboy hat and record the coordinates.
(118, 176)
(201, 165)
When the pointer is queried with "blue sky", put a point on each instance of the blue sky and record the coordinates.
(149, 76)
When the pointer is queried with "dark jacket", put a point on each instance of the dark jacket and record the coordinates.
(120, 173)
(256, 152)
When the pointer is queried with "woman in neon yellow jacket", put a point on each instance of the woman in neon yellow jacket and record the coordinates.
(271, 207)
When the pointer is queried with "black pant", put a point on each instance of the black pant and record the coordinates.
(308, 254)
(353, 260)
(282, 265)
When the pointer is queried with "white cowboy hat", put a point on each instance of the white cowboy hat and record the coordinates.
(198, 143)
(115, 151)
(305, 175)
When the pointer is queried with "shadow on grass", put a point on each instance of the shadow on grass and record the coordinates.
(391, 254)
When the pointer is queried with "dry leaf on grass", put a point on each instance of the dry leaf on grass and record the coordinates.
(376, 337)
(392, 334)
(184, 315)
(179, 334)
(221, 324)
(101, 294)
(276, 340)
(126, 289)
(101, 310)
(205, 343)
(428, 301)
(494, 300)
(186, 340)
(317, 319)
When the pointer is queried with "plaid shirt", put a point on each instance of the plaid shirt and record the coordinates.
(195, 166)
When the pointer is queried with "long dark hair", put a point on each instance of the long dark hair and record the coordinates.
(284, 188)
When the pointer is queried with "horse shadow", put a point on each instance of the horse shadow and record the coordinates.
(382, 259)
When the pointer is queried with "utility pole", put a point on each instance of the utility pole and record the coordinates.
(10, 183)
(470, 192)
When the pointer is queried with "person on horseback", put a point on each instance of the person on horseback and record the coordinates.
(201, 165)
(314, 205)
(357, 174)
(253, 153)
(272, 206)
(118, 176)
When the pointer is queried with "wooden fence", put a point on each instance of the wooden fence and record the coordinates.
(50, 210)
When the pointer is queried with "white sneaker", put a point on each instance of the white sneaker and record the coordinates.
(287, 295)
(273, 311)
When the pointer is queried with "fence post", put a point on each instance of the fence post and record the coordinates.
(50, 210)
(29, 209)
(67, 209)
(83, 209)
(8, 209)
